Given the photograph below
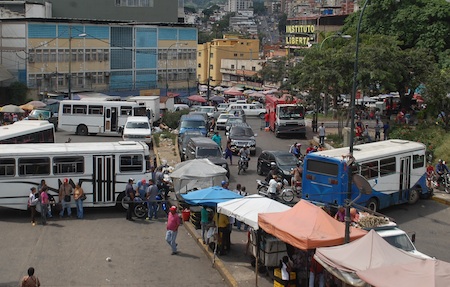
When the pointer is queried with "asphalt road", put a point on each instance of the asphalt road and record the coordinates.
(72, 252)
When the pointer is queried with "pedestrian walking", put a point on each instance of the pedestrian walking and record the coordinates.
(321, 134)
(217, 139)
(152, 193)
(204, 221)
(173, 222)
(33, 200)
(229, 152)
(65, 191)
(266, 119)
(77, 196)
(386, 130)
(45, 203)
(30, 280)
(378, 127)
(40, 190)
(130, 193)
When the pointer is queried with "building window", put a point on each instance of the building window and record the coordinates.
(211, 55)
(211, 67)
(134, 3)
(232, 67)
(242, 67)
(199, 65)
(253, 69)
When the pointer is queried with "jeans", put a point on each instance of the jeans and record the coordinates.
(152, 209)
(204, 226)
(171, 237)
(312, 279)
(79, 204)
(65, 205)
(44, 211)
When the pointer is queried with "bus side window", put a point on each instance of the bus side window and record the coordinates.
(34, 166)
(7, 167)
(67, 109)
(131, 163)
(387, 166)
(73, 164)
(418, 160)
(369, 169)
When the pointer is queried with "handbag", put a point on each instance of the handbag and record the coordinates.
(67, 198)
(83, 197)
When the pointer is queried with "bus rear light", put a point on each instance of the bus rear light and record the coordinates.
(332, 181)
(310, 177)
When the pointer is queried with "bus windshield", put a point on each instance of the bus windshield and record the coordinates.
(291, 113)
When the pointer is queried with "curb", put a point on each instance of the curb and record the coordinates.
(441, 200)
(218, 264)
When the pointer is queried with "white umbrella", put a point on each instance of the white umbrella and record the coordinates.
(11, 109)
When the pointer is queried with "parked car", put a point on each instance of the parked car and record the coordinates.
(209, 110)
(192, 122)
(221, 121)
(203, 147)
(137, 129)
(256, 110)
(241, 134)
(184, 139)
(233, 120)
(284, 161)
(222, 107)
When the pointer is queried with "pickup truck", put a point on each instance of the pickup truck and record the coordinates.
(44, 114)
(390, 232)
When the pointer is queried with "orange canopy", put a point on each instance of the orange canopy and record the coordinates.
(306, 226)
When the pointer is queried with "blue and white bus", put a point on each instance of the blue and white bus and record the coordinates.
(394, 168)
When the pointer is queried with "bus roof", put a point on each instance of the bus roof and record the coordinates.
(23, 127)
(45, 149)
(372, 150)
(100, 103)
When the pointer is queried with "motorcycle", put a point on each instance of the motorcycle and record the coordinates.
(441, 182)
(285, 194)
(243, 164)
(141, 207)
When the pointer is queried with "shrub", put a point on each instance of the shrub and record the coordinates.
(171, 119)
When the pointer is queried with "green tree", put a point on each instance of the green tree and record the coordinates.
(259, 8)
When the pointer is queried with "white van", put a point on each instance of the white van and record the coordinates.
(137, 129)
(257, 110)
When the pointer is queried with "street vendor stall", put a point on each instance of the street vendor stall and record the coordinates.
(368, 252)
(271, 250)
(198, 174)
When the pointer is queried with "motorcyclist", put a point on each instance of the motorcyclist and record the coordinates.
(296, 175)
(273, 171)
(441, 169)
(273, 186)
(244, 152)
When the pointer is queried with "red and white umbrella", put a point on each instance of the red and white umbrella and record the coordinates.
(197, 98)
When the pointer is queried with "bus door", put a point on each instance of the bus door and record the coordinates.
(103, 179)
(405, 175)
(110, 124)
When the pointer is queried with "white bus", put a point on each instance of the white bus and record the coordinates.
(96, 117)
(102, 169)
(27, 131)
(394, 168)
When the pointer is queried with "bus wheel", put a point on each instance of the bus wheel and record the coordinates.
(414, 195)
(82, 130)
(372, 204)
(121, 202)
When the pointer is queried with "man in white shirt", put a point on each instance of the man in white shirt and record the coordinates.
(321, 134)
(273, 186)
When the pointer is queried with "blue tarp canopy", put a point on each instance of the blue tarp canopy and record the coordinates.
(210, 196)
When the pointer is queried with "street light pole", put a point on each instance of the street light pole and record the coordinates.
(167, 60)
(352, 129)
(325, 98)
(69, 78)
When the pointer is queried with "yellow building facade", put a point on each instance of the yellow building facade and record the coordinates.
(210, 55)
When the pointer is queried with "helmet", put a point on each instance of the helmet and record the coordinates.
(224, 182)
(273, 164)
(440, 160)
(131, 179)
(143, 181)
(173, 208)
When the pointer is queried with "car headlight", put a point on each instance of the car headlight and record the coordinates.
(224, 166)
(252, 142)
